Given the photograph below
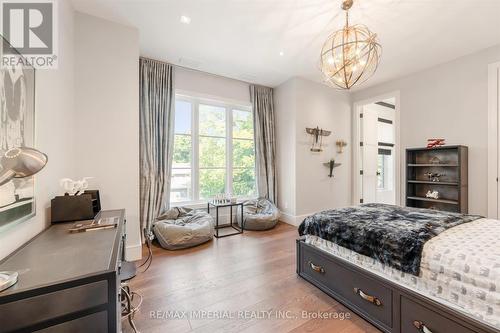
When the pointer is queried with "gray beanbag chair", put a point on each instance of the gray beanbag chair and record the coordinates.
(180, 228)
(259, 214)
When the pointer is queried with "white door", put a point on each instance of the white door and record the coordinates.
(497, 100)
(369, 155)
(378, 155)
(493, 140)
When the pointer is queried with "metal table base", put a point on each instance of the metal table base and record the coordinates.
(231, 224)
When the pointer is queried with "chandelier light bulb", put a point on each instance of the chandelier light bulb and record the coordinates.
(355, 52)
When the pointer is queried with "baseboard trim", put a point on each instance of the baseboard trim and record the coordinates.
(288, 219)
(292, 219)
(133, 252)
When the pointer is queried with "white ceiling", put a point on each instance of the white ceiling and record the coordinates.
(242, 39)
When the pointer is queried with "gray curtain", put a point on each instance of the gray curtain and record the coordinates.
(156, 99)
(265, 141)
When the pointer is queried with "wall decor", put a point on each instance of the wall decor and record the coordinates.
(317, 138)
(17, 129)
(331, 164)
(340, 146)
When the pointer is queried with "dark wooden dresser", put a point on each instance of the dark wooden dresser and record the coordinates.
(68, 282)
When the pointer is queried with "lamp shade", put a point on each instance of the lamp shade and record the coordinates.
(21, 162)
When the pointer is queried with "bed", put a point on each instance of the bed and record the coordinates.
(455, 289)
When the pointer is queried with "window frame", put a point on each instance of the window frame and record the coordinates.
(229, 106)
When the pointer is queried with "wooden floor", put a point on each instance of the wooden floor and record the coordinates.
(249, 280)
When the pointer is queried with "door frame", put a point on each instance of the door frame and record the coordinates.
(357, 109)
(493, 139)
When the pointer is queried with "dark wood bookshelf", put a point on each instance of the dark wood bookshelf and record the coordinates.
(452, 163)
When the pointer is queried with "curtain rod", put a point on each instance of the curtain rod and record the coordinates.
(200, 71)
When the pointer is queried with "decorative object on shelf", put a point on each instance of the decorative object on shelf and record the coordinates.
(435, 160)
(432, 194)
(331, 164)
(317, 135)
(433, 143)
(220, 199)
(74, 187)
(351, 55)
(340, 146)
(434, 177)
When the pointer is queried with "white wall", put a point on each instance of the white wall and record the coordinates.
(54, 115)
(319, 105)
(304, 185)
(107, 106)
(285, 106)
(209, 85)
(448, 101)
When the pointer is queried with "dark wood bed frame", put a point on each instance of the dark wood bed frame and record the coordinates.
(385, 304)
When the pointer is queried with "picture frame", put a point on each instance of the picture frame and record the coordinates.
(17, 128)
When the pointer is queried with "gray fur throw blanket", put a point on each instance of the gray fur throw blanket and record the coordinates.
(390, 234)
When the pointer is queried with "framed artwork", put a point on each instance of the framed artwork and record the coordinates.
(17, 129)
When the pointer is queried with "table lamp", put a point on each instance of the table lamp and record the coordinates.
(19, 162)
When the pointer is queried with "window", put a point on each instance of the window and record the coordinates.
(385, 169)
(213, 150)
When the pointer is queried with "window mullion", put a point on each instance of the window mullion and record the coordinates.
(229, 150)
(195, 173)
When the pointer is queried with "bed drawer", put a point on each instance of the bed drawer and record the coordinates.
(360, 292)
(416, 318)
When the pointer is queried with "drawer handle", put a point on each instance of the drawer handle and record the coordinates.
(316, 268)
(421, 327)
(372, 299)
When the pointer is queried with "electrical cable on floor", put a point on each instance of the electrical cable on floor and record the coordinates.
(149, 259)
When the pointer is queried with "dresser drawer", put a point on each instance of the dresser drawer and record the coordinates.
(95, 323)
(29, 311)
(416, 318)
(359, 291)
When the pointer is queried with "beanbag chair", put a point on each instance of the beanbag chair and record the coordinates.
(180, 228)
(259, 214)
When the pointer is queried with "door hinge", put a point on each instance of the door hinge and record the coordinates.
(360, 200)
(361, 172)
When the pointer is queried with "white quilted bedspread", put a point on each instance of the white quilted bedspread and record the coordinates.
(460, 268)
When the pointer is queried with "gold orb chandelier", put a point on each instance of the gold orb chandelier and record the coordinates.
(350, 56)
